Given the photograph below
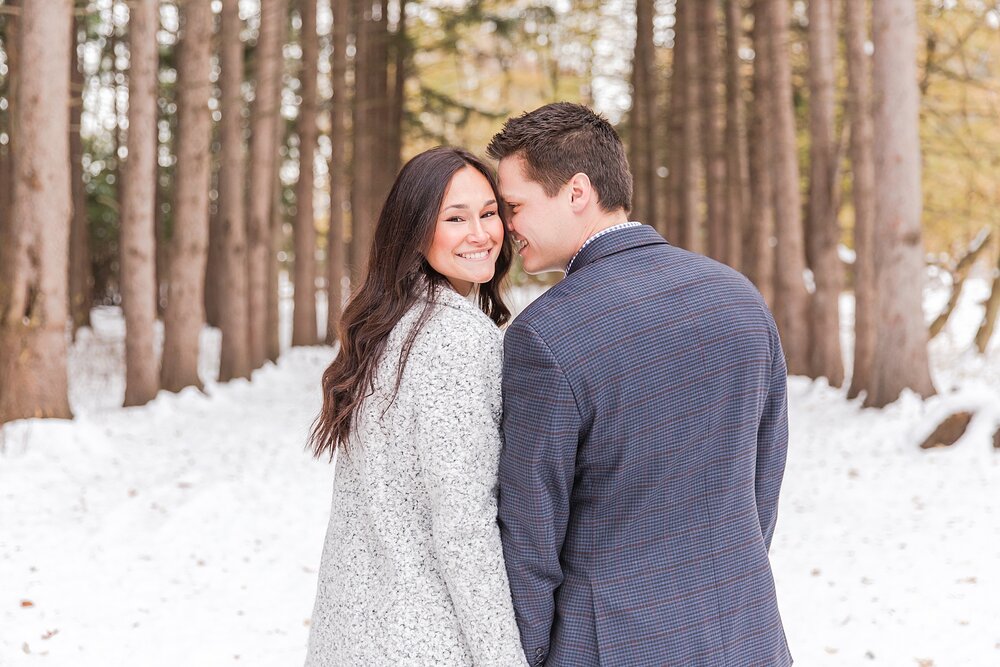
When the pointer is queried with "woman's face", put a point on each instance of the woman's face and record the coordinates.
(469, 233)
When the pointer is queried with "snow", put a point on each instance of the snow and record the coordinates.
(188, 531)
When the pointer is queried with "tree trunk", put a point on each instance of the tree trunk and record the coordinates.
(273, 342)
(138, 226)
(824, 230)
(235, 357)
(338, 164)
(304, 327)
(398, 97)
(859, 111)
(758, 253)
(791, 300)
(34, 267)
(7, 152)
(736, 140)
(715, 164)
(690, 215)
(80, 283)
(185, 315)
(263, 170)
(900, 360)
(675, 139)
(643, 112)
(364, 192)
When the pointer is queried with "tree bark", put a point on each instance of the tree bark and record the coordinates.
(758, 253)
(80, 282)
(185, 314)
(278, 239)
(34, 267)
(263, 170)
(824, 230)
(712, 131)
(690, 217)
(736, 140)
(791, 300)
(398, 97)
(304, 326)
(233, 306)
(859, 111)
(675, 139)
(138, 226)
(363, 208)
(338, 164)
(900, 360)
(7, 152)
(643, 112)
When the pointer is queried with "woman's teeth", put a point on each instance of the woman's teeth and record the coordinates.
(483, 254)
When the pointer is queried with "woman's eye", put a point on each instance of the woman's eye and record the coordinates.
(455, 219)
(489, 214)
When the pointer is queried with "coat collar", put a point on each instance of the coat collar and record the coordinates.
(619, 241)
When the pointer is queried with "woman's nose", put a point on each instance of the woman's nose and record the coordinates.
(477, 232)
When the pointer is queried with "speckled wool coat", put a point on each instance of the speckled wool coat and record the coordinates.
(412, 572)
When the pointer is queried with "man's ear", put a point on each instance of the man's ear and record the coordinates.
(580, 191)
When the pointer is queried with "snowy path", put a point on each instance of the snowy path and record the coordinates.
(187, 532)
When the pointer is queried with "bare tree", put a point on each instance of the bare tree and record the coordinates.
(643, 112)
(304, 328)
(859, 111)
(758, 254)
(80, 282)
(690, 216)
(674, 133)
(791, 300)
(7, 153)
(712, 130)
(185, 314)
(263, 170)
(824, 230)
(900, 360)
(235, 357)
(338, 168)
(138, 227)
(735, 139)
(34, 251)
(363, 191)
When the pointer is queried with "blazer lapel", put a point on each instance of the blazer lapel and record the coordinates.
(616, 242)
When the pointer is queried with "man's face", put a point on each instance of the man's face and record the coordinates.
(541, 226)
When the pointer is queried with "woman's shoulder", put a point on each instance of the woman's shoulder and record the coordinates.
(454, 315)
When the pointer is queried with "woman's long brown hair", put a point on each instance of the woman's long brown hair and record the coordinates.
(397, 274)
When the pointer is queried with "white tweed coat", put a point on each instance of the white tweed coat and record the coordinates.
(412, 572)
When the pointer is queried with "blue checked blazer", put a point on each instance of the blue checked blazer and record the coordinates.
(645, 429)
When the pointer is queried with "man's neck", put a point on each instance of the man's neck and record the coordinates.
(599, 224)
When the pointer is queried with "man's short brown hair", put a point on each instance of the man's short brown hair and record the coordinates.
(559, 140)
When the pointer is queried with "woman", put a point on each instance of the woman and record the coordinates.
(412, 571)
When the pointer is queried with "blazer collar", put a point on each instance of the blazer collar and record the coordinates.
(615, 242)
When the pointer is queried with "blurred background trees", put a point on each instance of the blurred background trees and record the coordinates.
(215, 156)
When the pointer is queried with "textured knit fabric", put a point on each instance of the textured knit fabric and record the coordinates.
(412, 571)
(645, 430)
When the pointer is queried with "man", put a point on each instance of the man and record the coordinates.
(645, 423)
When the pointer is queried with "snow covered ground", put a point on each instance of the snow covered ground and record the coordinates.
(187, 532)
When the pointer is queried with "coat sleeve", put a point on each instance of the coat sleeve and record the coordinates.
(772, 441)
(459, 445)
(541, 427)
